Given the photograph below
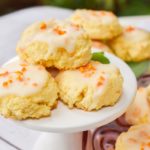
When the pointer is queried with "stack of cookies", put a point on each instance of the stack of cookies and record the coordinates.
(29, 88)
(103, 27)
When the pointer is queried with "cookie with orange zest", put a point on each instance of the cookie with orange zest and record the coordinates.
(54, 43)
(100, 25)
(132, 45)
(26, 91)
(139, 110)
(88, 86)
(136, 138)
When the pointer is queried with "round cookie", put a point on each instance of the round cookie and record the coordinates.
(26, 91)
(137, 138)
(55, 43)
(132, 45)
(100, 25)
(102, 47)
(139, 110)
(88, 86)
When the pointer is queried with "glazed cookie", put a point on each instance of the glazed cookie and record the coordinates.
(132, 45)
(55, 43)
(26, 91)
(87, 87)
(139, 110)
(101, 47)
(100, 25)
(137, 138)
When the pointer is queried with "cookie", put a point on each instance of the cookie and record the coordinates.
(54, 43)
(132, 45)
(88, 86)
(100, 25)
(137, 138)
(139, 111)
(26, 91)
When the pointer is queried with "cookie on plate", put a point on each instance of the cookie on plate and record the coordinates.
(139, 111)
(137, 138)
(100, 25)
(26, 91)
(101, 47)
(88, 86)
(55, 43)
(132, 45)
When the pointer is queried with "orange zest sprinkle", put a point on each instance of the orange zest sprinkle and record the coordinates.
(101, 80)
(5, 84)
(18, 72)
(10, 81)
(35, 84)
(23, 65)
(20, 78)
(23, 69)
(59, 31)
(130, 29)
(43, 26)
(88, 70)
(4, 74)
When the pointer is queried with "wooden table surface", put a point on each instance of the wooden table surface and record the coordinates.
(13, 137)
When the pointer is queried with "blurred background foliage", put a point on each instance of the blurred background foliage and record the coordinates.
(120, 7)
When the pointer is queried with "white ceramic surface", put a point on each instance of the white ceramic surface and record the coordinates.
(64, 120)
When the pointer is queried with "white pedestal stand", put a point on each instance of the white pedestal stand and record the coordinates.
(64, 128)
(56, 141)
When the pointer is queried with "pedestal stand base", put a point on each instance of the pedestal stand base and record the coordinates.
(56, 141)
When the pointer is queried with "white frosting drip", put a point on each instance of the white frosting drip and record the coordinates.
(101, 71)
(31, 81)
(66, 41)
(136, 35)
(96, 16)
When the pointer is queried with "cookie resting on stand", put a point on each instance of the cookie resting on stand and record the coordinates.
(26, 91)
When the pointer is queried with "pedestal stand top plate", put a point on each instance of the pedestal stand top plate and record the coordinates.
(64, 120)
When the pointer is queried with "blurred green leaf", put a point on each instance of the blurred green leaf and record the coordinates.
(99, 56)
(139, 67)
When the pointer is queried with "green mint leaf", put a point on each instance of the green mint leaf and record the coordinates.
(138, 67)
(99, 56)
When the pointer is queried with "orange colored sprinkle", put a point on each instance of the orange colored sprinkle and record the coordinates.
(10, 81)
(35, 84)
(148, 144)
(23, 69)
(28, 78)
(43, 26)
(100, 81)
(20, 78)
(4, 74)
(59, 31)
(88, 70)
(18, 72)
(5, 84)
(130, 29)
(23, 65)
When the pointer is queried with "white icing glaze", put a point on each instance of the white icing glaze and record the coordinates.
(66, 41)
(101, 70)
(135, 34)
(21, 79)
(96, 16)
